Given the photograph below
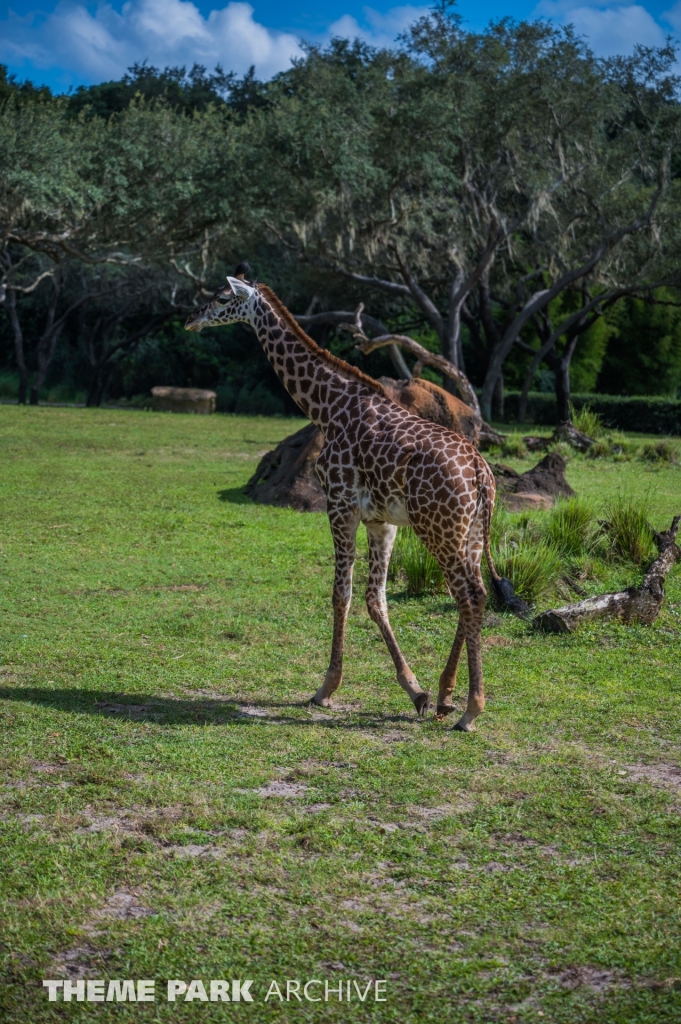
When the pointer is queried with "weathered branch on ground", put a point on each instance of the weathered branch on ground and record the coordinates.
(566, 432)
(635, 604)
(575, 438)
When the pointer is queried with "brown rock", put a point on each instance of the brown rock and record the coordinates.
(546, 478)
(433, 403)
(287, 477)
(520, 501)
(167, 399)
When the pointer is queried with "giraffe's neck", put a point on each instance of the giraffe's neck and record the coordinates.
(314, 385)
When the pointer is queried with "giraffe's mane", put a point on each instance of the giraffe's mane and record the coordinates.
(309, 343)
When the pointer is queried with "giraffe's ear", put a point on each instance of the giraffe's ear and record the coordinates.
(241, 289)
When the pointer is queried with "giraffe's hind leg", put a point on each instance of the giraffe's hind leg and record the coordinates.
(381, 539)
(344, 525)
(445, 704)
(471, 603)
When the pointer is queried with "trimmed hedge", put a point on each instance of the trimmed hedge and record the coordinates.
(647, 415)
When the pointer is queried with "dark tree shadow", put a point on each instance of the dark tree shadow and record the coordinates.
(140, 707)
(235, 496)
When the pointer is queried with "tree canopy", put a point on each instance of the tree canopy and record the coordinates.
(505, 196)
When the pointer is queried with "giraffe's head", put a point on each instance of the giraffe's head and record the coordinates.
(230, 304)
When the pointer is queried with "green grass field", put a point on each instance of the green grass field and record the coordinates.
(169, 809)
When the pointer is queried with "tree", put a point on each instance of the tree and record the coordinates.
(474, 177)
(644, 351)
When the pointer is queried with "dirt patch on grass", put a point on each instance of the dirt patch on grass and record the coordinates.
(105, 823)
(133, 711)
(497, 641)
(395, 736)
(48, 768)
(180, 587)
(84, 961)
(253, 712)
(462, 806)
(493, 867)
(284, 790)
(597, 979)
(661, 774)
(191, 850)
(122, 905)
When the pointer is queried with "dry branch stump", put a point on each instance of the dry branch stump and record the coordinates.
(635, 604)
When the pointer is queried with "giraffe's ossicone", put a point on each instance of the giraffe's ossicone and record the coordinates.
(384, 467)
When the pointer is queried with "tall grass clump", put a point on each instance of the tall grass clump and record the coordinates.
(571, 527)
(533, 569)
(586, 420)
(514, 447)
(658, 451)
(411, 557)
(628, 533)
(522, 553)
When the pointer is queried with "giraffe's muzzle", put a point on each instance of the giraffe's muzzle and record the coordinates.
(194, 322)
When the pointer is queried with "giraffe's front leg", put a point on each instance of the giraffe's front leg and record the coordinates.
(344, 525)
(381, 540)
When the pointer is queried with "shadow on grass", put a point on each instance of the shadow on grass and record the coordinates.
(235, 496)
(140, 707)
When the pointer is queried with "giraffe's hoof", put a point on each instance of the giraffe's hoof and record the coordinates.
(464, 726)
(317, 700)
(443, 710)
(421, 703)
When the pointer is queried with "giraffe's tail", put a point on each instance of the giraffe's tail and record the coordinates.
(503, 588)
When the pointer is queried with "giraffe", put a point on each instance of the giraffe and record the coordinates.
(384, 467)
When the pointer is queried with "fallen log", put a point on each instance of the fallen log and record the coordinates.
(568, 433)
(635, 604)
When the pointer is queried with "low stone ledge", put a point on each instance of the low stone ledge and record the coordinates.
(196, 400)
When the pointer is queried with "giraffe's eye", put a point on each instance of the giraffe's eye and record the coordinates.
(223, 299)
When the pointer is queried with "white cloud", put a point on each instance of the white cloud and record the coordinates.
(379, 29)
(163, 32)
(674, 16)
(608, 29)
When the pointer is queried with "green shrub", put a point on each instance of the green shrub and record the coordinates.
(412, 558)
(9, 385)
(658, 451)
(627, 532)
(586, 420)
(571, 527)
(643, 414)
(533, 569)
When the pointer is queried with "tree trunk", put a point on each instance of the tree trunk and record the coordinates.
(562, 377)
(11, 302)
(562, 385)
(499, 398)
(636, 604)
(47, 344)
(98, 385)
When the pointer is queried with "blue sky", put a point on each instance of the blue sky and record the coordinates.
(65, 43)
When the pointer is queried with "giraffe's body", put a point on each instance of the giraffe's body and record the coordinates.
(384, 467)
